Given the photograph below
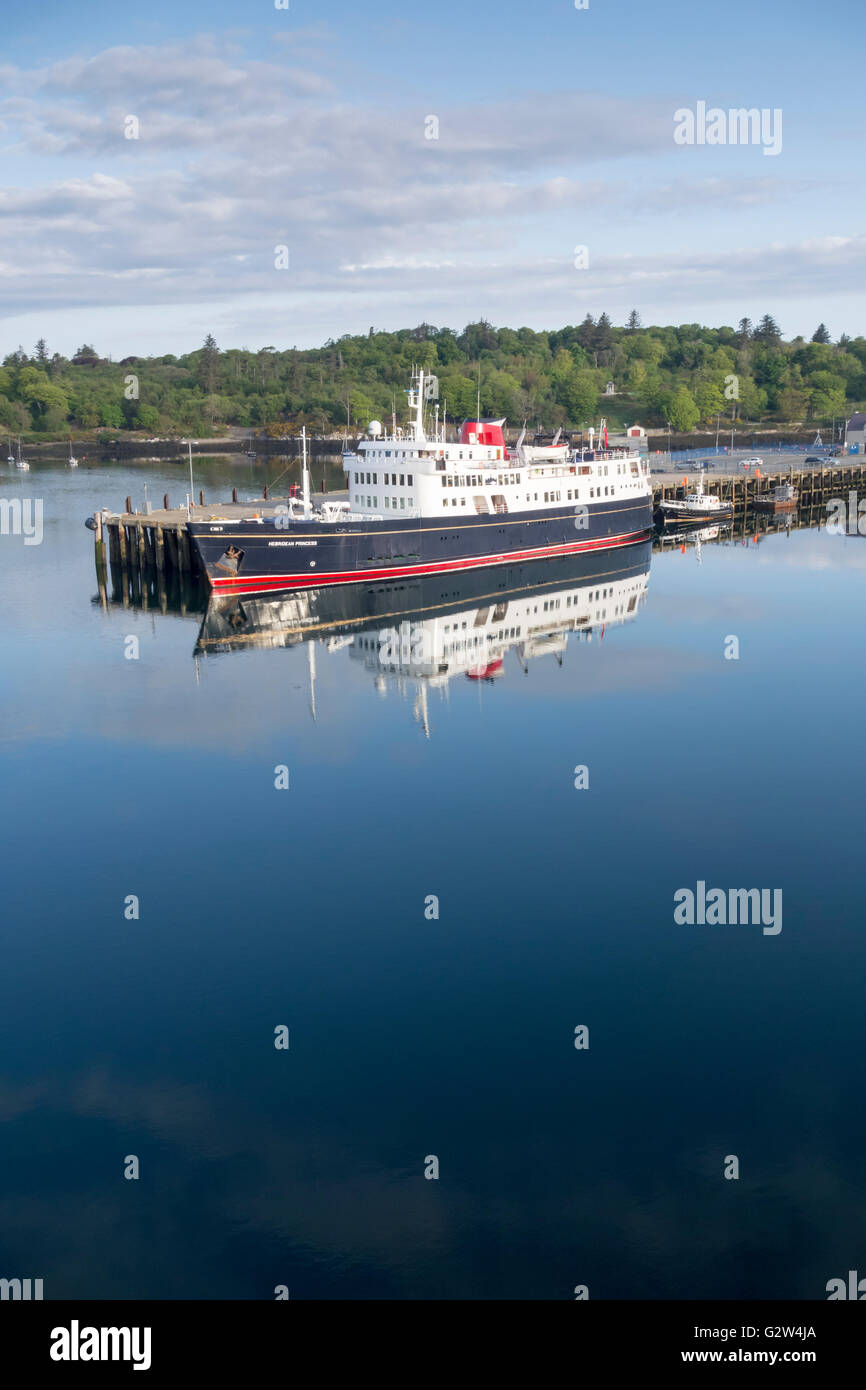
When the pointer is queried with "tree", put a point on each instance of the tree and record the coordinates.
(633, 322)
(40, 393)
(603, 336)
(586, 332)
(208, 364)
(683, 414)
(744, 332)
(768, 331)
(821, 335)
(41, 352)
(709, 399)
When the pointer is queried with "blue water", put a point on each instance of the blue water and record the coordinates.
(412, 1037)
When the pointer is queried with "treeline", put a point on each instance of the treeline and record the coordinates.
(679, 376)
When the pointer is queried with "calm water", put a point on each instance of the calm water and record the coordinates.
(413, 1037)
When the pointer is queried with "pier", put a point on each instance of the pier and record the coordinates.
(815, 485)
(150, 552)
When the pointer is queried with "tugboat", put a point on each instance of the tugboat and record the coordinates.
(421, 504)
(782, 498)
(697, 507)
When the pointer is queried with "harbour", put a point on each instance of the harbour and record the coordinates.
(169, 747)
(156, 541)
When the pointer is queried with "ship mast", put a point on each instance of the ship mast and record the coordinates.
(416, 403)
(305, 475)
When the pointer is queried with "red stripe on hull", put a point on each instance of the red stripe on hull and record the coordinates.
(242, 585)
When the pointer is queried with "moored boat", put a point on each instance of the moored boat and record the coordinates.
(696, 508)
(421, 504)
(781, 498)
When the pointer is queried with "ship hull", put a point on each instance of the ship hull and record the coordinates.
(304, 554)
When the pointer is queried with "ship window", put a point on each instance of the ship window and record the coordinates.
(410, 503)
(402, 503)
(408, 479)
(375, 502)
(463, 501)
(444, 481)
(401, 479)
(481, 506)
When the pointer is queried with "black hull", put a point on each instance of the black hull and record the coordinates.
(281, 619)
(680, 520)
(303, 554)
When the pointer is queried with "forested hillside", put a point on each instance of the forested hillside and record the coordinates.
(684, 376)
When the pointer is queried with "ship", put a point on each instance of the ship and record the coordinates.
(419, 503)
(696, 508)
(781, 498)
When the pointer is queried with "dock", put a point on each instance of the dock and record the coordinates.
(149, 552)
(816, 486)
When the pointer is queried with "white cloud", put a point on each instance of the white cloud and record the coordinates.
(238, 155)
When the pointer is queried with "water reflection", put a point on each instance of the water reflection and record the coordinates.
(424, 632)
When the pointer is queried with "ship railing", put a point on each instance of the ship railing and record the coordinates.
(405, 513)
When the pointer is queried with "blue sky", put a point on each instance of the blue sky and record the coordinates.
(305, 128)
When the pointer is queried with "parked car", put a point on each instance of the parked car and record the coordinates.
(752, 462)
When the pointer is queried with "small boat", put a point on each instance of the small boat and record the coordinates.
(21, 462)
(10, 458)
(72, 461)
(697, 506)
(782, 498)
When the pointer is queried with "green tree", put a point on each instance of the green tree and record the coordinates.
(683, 413)
(821, 335)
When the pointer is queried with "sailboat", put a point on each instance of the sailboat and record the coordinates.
(21, 462)
(72, 460)
(10, 457)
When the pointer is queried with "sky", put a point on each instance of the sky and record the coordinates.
(268, 175)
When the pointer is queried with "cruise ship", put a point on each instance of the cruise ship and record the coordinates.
(421, 504)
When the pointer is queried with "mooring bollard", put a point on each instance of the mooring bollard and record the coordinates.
(165, 505)
(234, 494)
(201, 498)
(129, 506)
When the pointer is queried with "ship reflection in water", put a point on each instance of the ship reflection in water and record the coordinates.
(419, 634)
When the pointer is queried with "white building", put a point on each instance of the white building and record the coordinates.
(855, 432)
